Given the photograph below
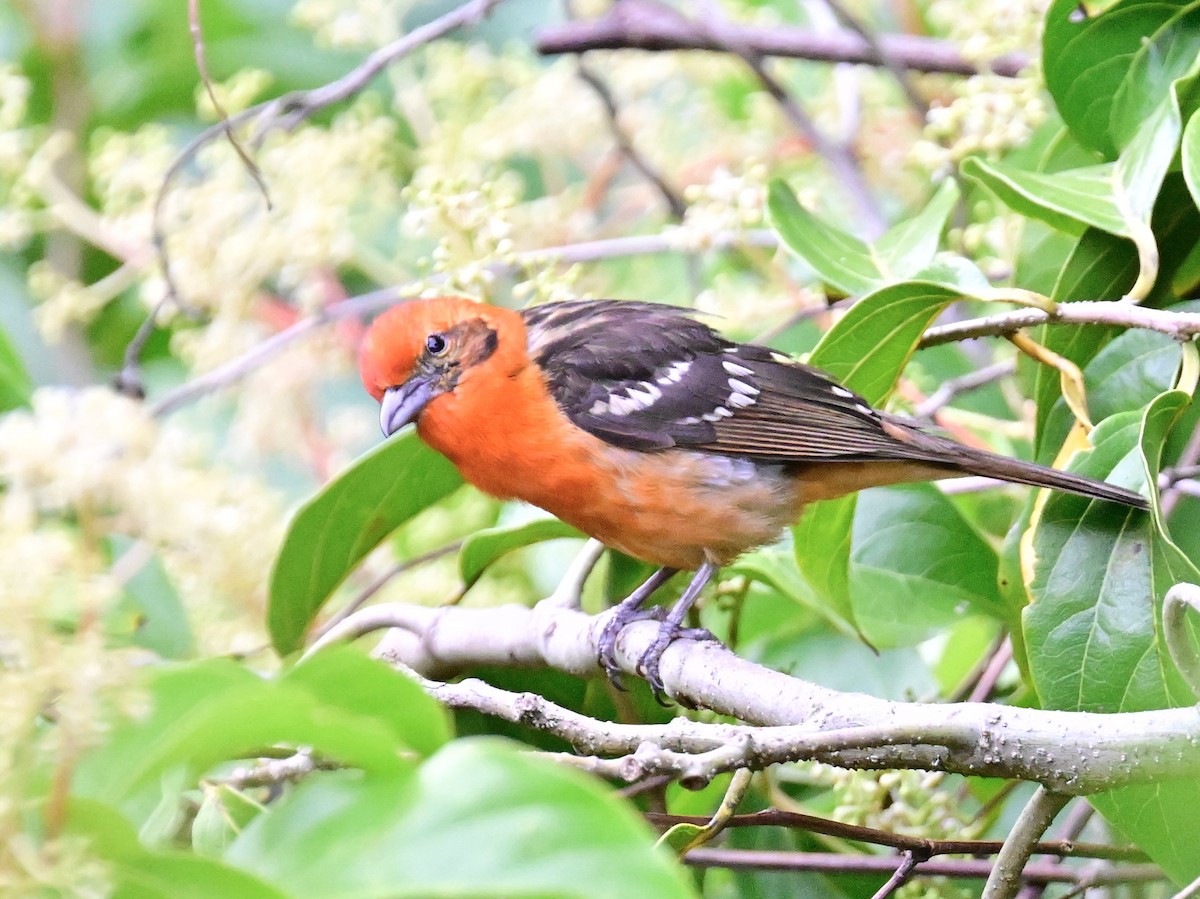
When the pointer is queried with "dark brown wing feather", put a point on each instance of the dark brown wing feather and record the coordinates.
(650, 377)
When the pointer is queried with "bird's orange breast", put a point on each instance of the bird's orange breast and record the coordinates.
(672, 507)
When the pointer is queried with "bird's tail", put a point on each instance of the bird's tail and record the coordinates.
(990, 465)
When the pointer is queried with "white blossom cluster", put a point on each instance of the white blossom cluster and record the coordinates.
(727, 204)
(18, 143)
(96, 464)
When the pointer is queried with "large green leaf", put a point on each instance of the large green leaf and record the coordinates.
(1108, 72)
(851, 265)
(1093, 629)
(479, 819)
(484, 547)
(1117, 197)
(210, 712)
(334, 531)
(135, 872)
(916, 565)
(866, 350)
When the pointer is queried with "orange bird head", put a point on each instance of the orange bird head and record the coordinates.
(425, 349)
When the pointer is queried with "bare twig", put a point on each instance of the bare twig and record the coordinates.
(369, 303)
(908, 863)
(923, 847)
(285, 112)
(771, 860)
(954, 387)
(1005, 878)
(982, 691)
(218, 109)
(644, 25)
(380, 582)
(837, 156)
(1084, 312)
(1184, 469)
(880, 56)
(625, 144)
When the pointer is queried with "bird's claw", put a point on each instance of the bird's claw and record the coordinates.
(648, 664)
(607, 644)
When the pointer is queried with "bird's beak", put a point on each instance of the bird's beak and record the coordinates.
(403, 404)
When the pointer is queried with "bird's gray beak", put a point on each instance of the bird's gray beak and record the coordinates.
(403, 404)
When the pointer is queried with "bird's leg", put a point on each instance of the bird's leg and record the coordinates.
(670, 629)
(626, 612)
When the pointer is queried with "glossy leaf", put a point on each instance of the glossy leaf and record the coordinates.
(484, 547)
(342, 677)
(15, 386)
(1107, 73)
(478, 819)
(1093, 629)
(135, 872)
(851, 265)
(207, 713)
(334, 531)
(866, 350)
(916, 565)
(1191, 157)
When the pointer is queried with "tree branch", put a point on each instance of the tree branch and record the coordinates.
(1046, 872)
(1180, 325)
(790, 719)
(648, 26)
(1035, 818)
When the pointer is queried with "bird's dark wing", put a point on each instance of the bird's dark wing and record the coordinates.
(646, 376)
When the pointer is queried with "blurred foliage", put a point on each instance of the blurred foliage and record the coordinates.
(148, 563)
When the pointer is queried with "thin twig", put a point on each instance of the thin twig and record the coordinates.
(880, 55)
(643, 25)
(1084, 312)
(772, 860)
(366, 304)
(218, 109)
(837, 156)
(625, 144)
(1186, 467)
(954, 387)
(923, 846)
(991, 675)
(286, 113)
(1005, 878)
(380, 582)
(908, 863)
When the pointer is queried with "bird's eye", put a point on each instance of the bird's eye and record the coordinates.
(436, 344)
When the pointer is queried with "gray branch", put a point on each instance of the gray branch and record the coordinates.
(789, 719)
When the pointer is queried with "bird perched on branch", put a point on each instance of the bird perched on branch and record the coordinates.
(650, 431)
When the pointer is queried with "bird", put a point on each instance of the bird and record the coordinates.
(645, 428)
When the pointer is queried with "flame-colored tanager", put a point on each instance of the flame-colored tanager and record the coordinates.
(648, 430)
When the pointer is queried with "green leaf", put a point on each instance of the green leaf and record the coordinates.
(916, 565)
(1191, 157)
(777, 569)
(15, 386)
(333, 531)
(1117, 198)
(484, 547)
(1068, 201)
(1107, 73)
(480, 819)
(343, 677)
(849, 264)
(869, 347)
(214, 711)
(866, 350)
(1094, 630)
(137, 873)
(1126, 374)
(224, 812)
